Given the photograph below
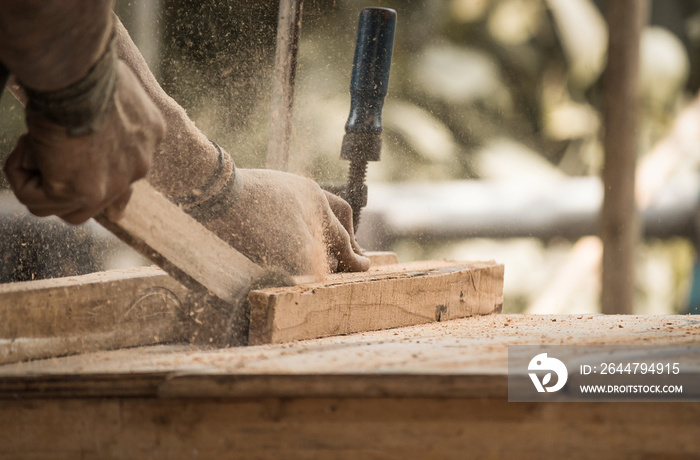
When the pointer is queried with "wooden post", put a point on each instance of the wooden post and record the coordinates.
(146, 32)
(619, 219)
(288, 28)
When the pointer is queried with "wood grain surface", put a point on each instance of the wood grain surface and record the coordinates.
(145, 306)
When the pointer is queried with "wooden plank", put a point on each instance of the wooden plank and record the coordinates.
(385, 297)
(181, 246)
(377, 258)
(100, 311)
(143, 306)
(195, 257)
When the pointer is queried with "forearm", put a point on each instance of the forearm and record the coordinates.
(49, 45)
(185, 159)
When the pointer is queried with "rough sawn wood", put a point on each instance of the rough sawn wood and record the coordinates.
(386, 297)
(144, 306)
(181, 246)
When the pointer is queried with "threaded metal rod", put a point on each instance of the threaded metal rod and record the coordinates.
(355, 193)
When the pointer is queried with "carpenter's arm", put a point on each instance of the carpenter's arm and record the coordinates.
(274, 218)
(49, 45)
(91, 128)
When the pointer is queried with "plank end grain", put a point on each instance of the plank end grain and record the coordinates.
(386, 297)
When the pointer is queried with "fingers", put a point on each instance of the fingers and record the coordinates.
(341, 209)
(42, 199)
(341, 248)
(27, 183)
(78, 209)
(115, 211)
(343, 212)
(17, 175)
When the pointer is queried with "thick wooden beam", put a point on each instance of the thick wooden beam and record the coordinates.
(386, 297)
(144, 306)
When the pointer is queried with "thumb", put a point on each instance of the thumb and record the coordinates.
(21, 175)
(341, 249)
(343, 212)
(115, 210)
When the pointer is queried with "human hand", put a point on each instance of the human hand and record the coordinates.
(284, 220)
(76, 177)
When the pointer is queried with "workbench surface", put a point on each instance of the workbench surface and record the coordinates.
(432, 391)
(460, 358)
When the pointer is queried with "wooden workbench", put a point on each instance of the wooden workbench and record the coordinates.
(431, 391)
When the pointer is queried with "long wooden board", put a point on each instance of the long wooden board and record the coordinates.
(181, 246)
(144, 306)
(344, 429)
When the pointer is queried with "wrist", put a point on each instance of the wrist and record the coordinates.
(217, 194)
(82, 106)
